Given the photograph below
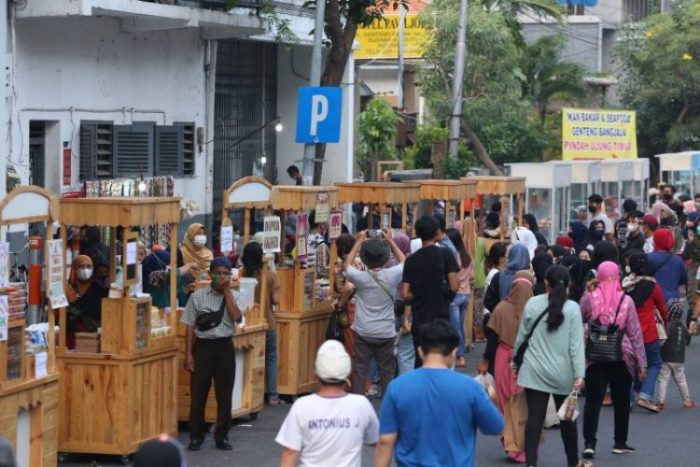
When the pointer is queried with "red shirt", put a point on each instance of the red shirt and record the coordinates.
(647, 321)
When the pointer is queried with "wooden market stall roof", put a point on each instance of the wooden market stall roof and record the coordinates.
(120, 212)
(301, 198)
(248, 192)
(29, 203)
(498, 185)
(384, 193)
(447, 189)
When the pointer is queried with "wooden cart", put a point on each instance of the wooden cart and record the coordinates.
(302, 318)
(505, 188)
(382, 195)
(29, 403)
(113, 400)
(248, 394)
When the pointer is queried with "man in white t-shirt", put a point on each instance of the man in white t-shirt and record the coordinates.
(374, 327)
(328, 428)
(595, 207)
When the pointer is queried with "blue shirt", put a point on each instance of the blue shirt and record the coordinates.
(435, 413)
(669, 273)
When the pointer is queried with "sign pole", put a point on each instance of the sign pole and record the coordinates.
(315, 81)
(402, 32)
(458, 80)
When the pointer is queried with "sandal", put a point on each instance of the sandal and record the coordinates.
(689, 404)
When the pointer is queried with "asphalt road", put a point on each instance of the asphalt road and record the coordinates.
(669, 438)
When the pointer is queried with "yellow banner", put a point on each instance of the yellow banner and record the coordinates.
(381, 38)
(598, 134)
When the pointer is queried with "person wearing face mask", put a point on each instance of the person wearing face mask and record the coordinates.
(84, 296)
(635, 235)
(595, 208)
(596, 233)
(194, 248)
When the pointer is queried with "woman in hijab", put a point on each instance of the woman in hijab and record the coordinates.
(504, 324)
(156, 279)
(84, 298)
(608, 304)
(530, 223)
(648, 298)
(523, 236)
(540, 264)
(603, 251)
(581, 274)
(194, 247)
(502, 282)
(596, 232)
(579, 234)
(667, 268)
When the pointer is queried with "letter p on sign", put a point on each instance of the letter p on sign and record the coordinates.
(319, 114)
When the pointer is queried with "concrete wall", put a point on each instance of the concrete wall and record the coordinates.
(88, 63)
(583, 42)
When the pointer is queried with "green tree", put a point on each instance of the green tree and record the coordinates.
(660, 60)
(547, 77)
(377, 132)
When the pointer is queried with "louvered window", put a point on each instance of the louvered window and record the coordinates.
(169, 149)
(133, 150)
(188, 148)
(96, 142)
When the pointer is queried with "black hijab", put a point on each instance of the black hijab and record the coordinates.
(540, 264)
(603, 251)
(642, 286)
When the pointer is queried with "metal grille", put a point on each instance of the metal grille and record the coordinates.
(246, 97)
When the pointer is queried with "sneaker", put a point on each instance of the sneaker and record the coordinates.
(622, 448)
(195, 444)
(372, 391)
(589, 452)
(647, 405)
(224, 445)
(660, 406)
(689, 404)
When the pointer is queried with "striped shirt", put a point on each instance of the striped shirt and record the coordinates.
(206, 301)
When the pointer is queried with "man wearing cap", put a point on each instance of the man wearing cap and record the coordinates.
(595, 208)
(649, 223)
(374, 327)
(328, 428)
(210, 317)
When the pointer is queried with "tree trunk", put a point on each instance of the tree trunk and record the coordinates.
(684, 112)
(480, 149)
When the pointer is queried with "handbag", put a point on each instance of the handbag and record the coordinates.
(520, 353)
(334, 331)
(208, 321)
(660, 326)
(604, 342)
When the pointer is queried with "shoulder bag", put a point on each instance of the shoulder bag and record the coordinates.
(446, 291)
(398, 304)
(520, 353)
(604, 342)
(208, 321)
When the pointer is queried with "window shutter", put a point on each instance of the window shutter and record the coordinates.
(133, 150)
(88, 151)
(169, 150)
(96, 150)
(188, 146)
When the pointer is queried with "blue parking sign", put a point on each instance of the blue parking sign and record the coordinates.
(319, 113)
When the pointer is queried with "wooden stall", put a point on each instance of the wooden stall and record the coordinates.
(29, 381)
(304, 310)
(123, 391)
(506, 189)
(248, 393)
(381, 197)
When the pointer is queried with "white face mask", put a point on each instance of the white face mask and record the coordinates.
(84, 274)
(632, 227)
(200, 240)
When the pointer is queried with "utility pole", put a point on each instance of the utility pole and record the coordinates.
(458, 80)
(314, 81)
(402, 36)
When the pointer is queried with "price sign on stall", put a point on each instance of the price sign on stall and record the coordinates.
(57, 296)
(227, 239)
(323, 208)
(335, 227)
(4, 263)
(272, 234)
(302, 235)
(4, 317)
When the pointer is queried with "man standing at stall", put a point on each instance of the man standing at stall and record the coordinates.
(210, 317)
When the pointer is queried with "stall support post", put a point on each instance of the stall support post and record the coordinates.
(404, 216)
(173, 277)
(62, 311)
(246, 225)
(333, 260)
(521, 207)
(504, 225)
(283, 238)
(112, 255)
(470, 230)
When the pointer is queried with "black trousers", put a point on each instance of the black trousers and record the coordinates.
(213, 358)
(383, 352)
(537, 411)
(598, 376)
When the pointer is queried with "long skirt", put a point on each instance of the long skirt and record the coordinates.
(513, 405)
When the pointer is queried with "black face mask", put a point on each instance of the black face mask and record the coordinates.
(592, 209)
(598, 234)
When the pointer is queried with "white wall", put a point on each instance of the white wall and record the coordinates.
(87, 63)
(339, 157)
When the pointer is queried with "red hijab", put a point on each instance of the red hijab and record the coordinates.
(663, 240)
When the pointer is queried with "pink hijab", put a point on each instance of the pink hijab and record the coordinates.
(606, 297)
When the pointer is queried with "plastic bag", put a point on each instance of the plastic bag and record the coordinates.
(569, 409)
(488, 383)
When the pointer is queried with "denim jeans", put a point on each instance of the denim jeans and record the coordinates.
(271, 364)
(405, 353)
(646, 387)
(457, 309)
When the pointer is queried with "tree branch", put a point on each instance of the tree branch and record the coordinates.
(480, 149)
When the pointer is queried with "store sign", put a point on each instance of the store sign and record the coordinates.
(380, 39)
(323, 208)
(227, 239)
(4, 264)
(335, 227)
(302, 235)
(57, 296)
(598, 134)
(272, 234)
(67, 152)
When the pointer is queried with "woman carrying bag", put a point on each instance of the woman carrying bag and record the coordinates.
(614, 353)
(549, 360)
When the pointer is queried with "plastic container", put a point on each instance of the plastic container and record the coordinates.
(246, 293)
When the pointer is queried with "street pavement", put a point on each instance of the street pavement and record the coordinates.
(669, 438)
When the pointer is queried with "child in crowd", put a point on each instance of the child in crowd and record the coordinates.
(673, 357)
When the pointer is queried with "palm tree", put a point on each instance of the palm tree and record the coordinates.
(546, 76)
